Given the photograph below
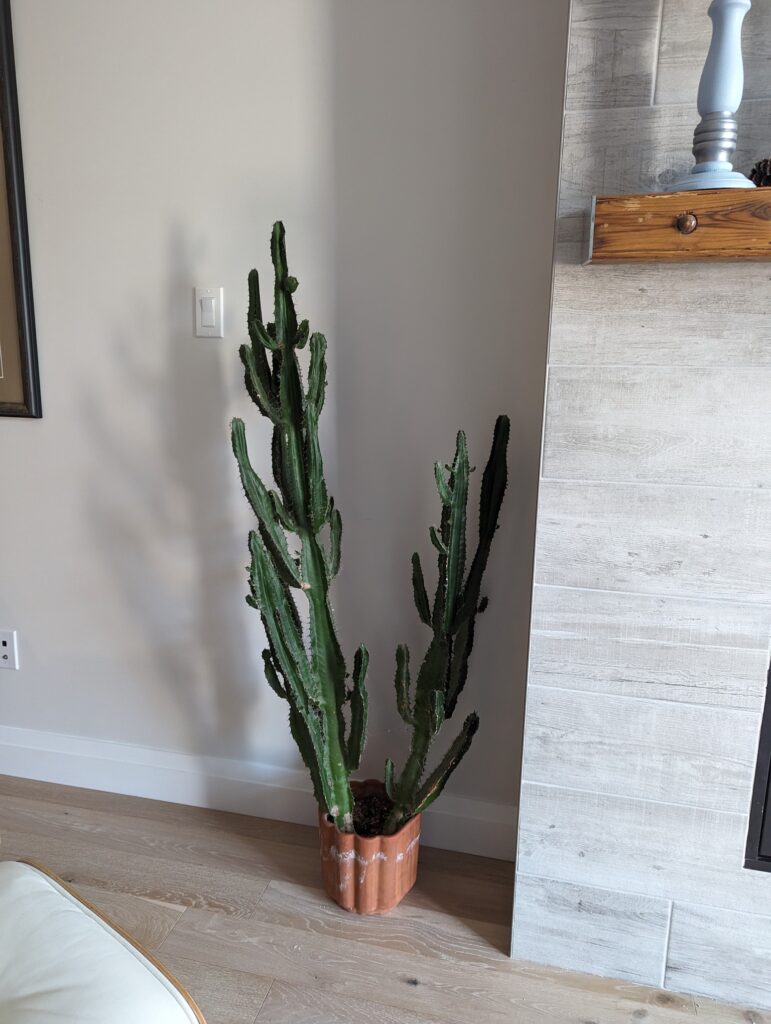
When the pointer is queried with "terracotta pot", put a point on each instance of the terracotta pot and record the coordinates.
(368, 876)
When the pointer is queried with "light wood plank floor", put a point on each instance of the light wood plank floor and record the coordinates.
(232, 905)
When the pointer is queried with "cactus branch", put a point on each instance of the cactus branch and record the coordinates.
(271, 674)
(307, 671)
(389, 778)
(461, 651)
(358, 732)
(302, 737)
(335, 538)
(257, 385)
(402, 683)
(437, 711)
(435, 783)
(264, 508)
(441, 483)
(419, 590)
(494, 481)
(437, 541)
(317, 376)
(452, 566)
(444, 671)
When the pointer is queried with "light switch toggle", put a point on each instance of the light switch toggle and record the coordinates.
(209, 312)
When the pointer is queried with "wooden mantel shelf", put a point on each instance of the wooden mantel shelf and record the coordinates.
(711, 224)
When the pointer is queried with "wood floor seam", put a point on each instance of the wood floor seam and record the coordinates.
(168, 935)
(264, 1001)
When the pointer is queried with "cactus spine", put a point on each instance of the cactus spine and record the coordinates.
(452, 620)
(310, 676)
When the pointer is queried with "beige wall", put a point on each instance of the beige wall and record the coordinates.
(652, 598)
(411, 149)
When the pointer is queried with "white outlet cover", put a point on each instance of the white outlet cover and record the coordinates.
(9, 649)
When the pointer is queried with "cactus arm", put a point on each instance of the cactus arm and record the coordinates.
(317, 383)
(402, 683)
(276, 465)
(326, 657)
(389, 778)
(454, 532)
(254, 310)
(271, 675)
(433, 669)
(358, 731)
(318, 499)
(276, 358)
(441, 484)
(302, 737)
(260, 335)
(328, 668)
(436, 781)
(281, 513)
(437, 711)
(257, 332)
(301, 339)
(263, 507)
(419, 590)
(258, 387)
(306, 687)
(437, 541)
(285, 317)
(335, 539)
(494, 481)
(291, 441)
(450, 540)
(317, 374)
(459, 658)
(274, 602)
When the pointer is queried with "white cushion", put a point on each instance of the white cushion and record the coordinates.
(61, 963)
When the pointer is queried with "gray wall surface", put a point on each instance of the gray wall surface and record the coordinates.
(652, 598)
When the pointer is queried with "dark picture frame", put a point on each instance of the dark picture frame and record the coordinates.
(19, 376)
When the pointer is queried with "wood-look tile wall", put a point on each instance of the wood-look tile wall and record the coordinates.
(652, 601)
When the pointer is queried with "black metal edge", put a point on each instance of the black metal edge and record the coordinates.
(17, 210)
(760, 791)
(758, 865)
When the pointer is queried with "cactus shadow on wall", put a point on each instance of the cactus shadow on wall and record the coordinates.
(162, 519)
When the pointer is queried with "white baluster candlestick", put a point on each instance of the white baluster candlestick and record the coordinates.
(720, 93)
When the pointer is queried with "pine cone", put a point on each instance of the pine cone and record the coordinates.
(761, 172)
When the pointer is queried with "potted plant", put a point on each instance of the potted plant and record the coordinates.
(369, 830)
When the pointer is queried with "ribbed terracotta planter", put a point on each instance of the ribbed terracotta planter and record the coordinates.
(368, 876)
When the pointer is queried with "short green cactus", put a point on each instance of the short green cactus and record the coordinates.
(452, 620)
(305, 667)
(312, 679)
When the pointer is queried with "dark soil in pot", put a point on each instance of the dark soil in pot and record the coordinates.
(371, 807)
(370, 811)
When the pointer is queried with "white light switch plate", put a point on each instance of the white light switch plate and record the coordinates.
(9, 649)
(209, 322)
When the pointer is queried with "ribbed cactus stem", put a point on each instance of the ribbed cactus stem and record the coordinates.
(310, 676)
(456, 605)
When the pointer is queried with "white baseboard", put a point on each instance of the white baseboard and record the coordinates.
(453, 823)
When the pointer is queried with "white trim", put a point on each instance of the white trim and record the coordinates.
(453, 823)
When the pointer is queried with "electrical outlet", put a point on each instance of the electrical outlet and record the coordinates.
(9, 649)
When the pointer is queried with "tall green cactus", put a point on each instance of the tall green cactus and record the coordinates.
(310, 677)
(452, 620)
